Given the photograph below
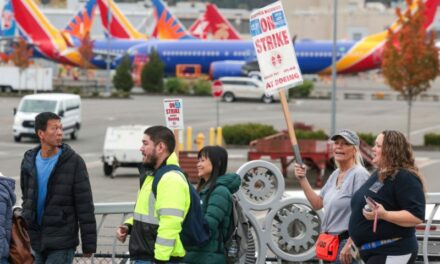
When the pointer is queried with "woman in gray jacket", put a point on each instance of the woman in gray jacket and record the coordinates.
(7, 200)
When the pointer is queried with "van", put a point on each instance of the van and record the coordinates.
(67, 106)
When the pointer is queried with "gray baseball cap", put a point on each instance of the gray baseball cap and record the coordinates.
(350, 136)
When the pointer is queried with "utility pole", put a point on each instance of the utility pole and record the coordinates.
(335, 24)
(107, 91)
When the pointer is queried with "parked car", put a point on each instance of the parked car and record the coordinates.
(67, 106)
(244, 88)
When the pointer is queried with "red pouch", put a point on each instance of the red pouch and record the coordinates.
(327, 247)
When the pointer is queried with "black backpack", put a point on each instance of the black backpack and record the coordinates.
(239, 243)
(195, 229)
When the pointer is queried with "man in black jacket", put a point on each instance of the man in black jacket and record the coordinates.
(57, 197)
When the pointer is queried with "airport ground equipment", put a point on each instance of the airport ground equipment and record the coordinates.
(121, 147)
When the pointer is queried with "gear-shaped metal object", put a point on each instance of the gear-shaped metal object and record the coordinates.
(297, 229)
(259, 186)
(294, 228)
(262, 184)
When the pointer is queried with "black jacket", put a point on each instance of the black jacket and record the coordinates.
(68, 207)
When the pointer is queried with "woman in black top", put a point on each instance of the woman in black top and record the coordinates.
(398, 202)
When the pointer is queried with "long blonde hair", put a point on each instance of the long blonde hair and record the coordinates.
(397, 154)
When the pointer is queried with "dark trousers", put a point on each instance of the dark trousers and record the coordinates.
(64, 256)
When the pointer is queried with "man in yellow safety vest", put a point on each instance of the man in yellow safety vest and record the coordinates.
(157, 220)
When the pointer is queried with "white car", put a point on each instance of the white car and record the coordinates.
(243, 88)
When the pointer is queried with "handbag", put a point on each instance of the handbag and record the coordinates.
(327, 247)
(20, 251)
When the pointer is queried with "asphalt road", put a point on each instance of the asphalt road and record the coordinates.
(200, 114)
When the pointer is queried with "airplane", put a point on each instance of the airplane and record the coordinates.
(230, 58)
(234, 58)
(212, 22)
(49, 42)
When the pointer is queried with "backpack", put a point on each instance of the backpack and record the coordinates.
(239, 242)
(195, 228)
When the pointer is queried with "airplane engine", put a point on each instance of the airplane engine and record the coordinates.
(226, 68)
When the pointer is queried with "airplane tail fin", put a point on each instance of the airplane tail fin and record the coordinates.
(220, 26)
(430, 12)
(200, 28)
(372, 45)
(37, 30)
(34, 26)
(168, 26)
(81, 24)
(7, 21)
(119, 26)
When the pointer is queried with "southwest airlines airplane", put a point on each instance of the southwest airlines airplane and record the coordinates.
(217, 58)
(49, 42)
(232, 58)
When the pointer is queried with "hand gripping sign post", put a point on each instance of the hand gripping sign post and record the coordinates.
(174, 118)
(276, 57)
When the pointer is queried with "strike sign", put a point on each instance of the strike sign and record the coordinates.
(173, 113)
(273, 45)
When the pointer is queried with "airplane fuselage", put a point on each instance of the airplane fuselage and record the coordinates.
(313, 56)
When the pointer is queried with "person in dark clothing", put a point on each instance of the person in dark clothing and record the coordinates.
(215, 188)
(386, 209)
(7, 201)
(57, 197)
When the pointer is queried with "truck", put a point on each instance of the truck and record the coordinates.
(121, 147)
(32, 79)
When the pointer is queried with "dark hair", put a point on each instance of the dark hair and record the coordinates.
(218, 156)
(397, 154)
(42, 118)
(162, 134)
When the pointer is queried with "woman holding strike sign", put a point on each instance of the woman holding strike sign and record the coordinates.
(334, 242)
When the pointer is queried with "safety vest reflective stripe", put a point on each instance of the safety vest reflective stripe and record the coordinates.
(171, 212)
(151, 203)
(165, 242)
(149, 218)
(145, 219)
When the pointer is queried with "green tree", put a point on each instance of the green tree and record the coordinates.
(123, 79)
(152, 74)
(410, 58)
(85, 49)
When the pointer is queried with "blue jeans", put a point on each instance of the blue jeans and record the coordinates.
(64, 256)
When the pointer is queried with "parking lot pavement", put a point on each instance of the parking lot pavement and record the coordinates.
(200, 114)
